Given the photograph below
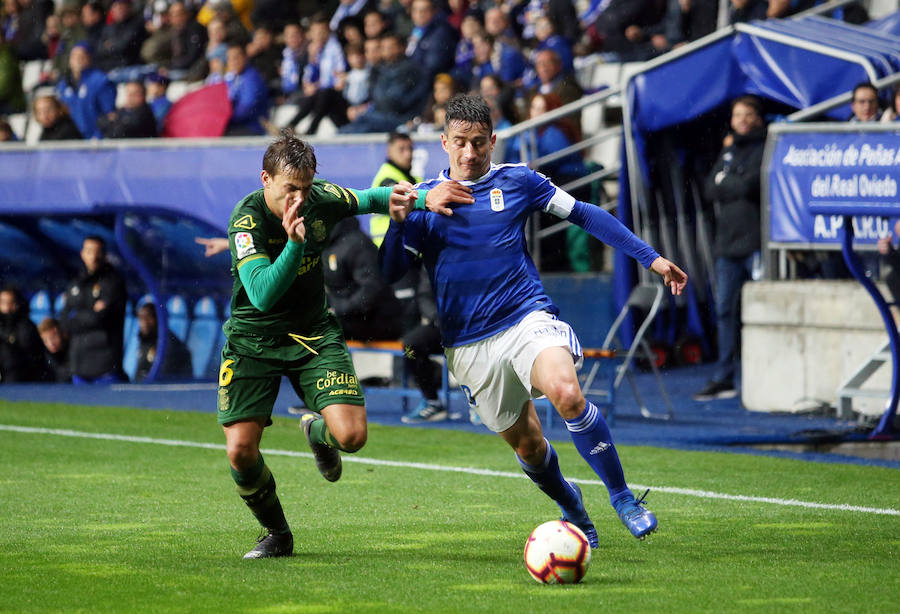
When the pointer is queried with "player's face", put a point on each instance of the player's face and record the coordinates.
(286, 188)
(469, 147)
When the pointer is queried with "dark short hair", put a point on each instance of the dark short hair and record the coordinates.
(468, 109)
(48, 323)
(398, 136)
(289, 152)
(749, 101)
(865, 85)
(96, 239)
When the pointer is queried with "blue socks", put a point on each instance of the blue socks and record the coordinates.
(594, 442)
(550, 480)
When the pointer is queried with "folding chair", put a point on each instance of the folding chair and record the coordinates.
(647, 298)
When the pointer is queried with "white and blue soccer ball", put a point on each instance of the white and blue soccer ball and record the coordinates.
(557, 552)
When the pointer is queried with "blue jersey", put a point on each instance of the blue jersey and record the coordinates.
(483, 278)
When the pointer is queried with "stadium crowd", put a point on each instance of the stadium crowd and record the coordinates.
(366, 65)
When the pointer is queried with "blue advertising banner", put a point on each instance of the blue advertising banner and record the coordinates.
(816, 178)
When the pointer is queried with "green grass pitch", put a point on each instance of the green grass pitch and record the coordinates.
(118, 525)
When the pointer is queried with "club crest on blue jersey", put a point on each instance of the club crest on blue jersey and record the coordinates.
(496, 199)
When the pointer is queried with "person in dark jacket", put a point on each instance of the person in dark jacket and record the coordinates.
(121, 38)
(733, 186)
(432, 43)
(56, 346)
(133, 120)
(177, 360)
(399, 91)
(248, 94)
(363, 302)
(94, 315)
(53, 116)
(21, 349)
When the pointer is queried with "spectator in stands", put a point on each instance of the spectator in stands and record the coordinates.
(891, 257)
(121, 39)
(31, 20)
(215, 66)
(786, 8)
(742, 11)
(493, 57)
(399, 91)
(361, 300)
(56, 346)
(356, 84)
(419, 343)
(177, 360)
(442, 90)
(7, 135)
(86, 91)
(293, 58)
(12, 98)
(568, 250)
(552, 79)
(497, 24)
(432, 43)
(53, 116)
(684, 21)
(21, 349)
(187, 42)
(94, 315)
(499, 98)
(396, 168)
(216, 50)
(92, 20)
(265, 56)
(350, 31)
(277, 13)
(248, 94)
(235, 14)
(157, 85)
(864, 103)
(374, 24)
(892, 113)
(614, 26)
(464, 57)
(398, 14)
(733, 186)
(133, 120)
(546, 37)
(71, 31)
(561, 14)
(51, 34)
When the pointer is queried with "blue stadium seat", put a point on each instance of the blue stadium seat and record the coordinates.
(203, 338)
(58, 303)
(178, 316)
(132, 342)
(39, 306)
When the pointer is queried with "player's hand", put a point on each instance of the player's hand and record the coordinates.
(674, 278)
(446, 194)
(212, 245)
(402, 200)
(292, 223)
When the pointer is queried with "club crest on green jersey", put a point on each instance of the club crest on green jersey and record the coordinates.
(317, 229)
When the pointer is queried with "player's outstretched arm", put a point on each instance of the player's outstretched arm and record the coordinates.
(212, 245)
(674, 278)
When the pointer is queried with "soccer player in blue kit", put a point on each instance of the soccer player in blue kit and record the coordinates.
(503, 341)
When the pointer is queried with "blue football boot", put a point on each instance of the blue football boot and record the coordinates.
(579, 517)
(636, 518)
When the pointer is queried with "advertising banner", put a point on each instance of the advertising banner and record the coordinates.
(816, 178)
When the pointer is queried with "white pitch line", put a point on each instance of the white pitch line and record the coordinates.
(690, 492)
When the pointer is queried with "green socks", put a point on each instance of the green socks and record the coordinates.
(256, 486)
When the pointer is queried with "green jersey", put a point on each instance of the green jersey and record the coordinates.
(255, 233)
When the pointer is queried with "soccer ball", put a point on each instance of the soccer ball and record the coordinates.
(557, 552)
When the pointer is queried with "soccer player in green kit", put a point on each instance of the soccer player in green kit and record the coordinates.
(280, 324)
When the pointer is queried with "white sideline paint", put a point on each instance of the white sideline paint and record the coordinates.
(689, 492)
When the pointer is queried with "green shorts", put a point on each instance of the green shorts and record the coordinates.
(318, 367)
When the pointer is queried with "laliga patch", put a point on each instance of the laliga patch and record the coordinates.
(243, 242)
(496, 199)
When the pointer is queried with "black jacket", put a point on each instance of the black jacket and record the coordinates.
(95, 346)
(177, 361)
(63, 130)
(354, 286)
(21, 350)
(733, 186)
(134, 123)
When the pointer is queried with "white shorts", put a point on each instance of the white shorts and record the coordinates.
(495, 373)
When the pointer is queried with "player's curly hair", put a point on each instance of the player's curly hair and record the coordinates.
(289, 152)
(468, 109)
